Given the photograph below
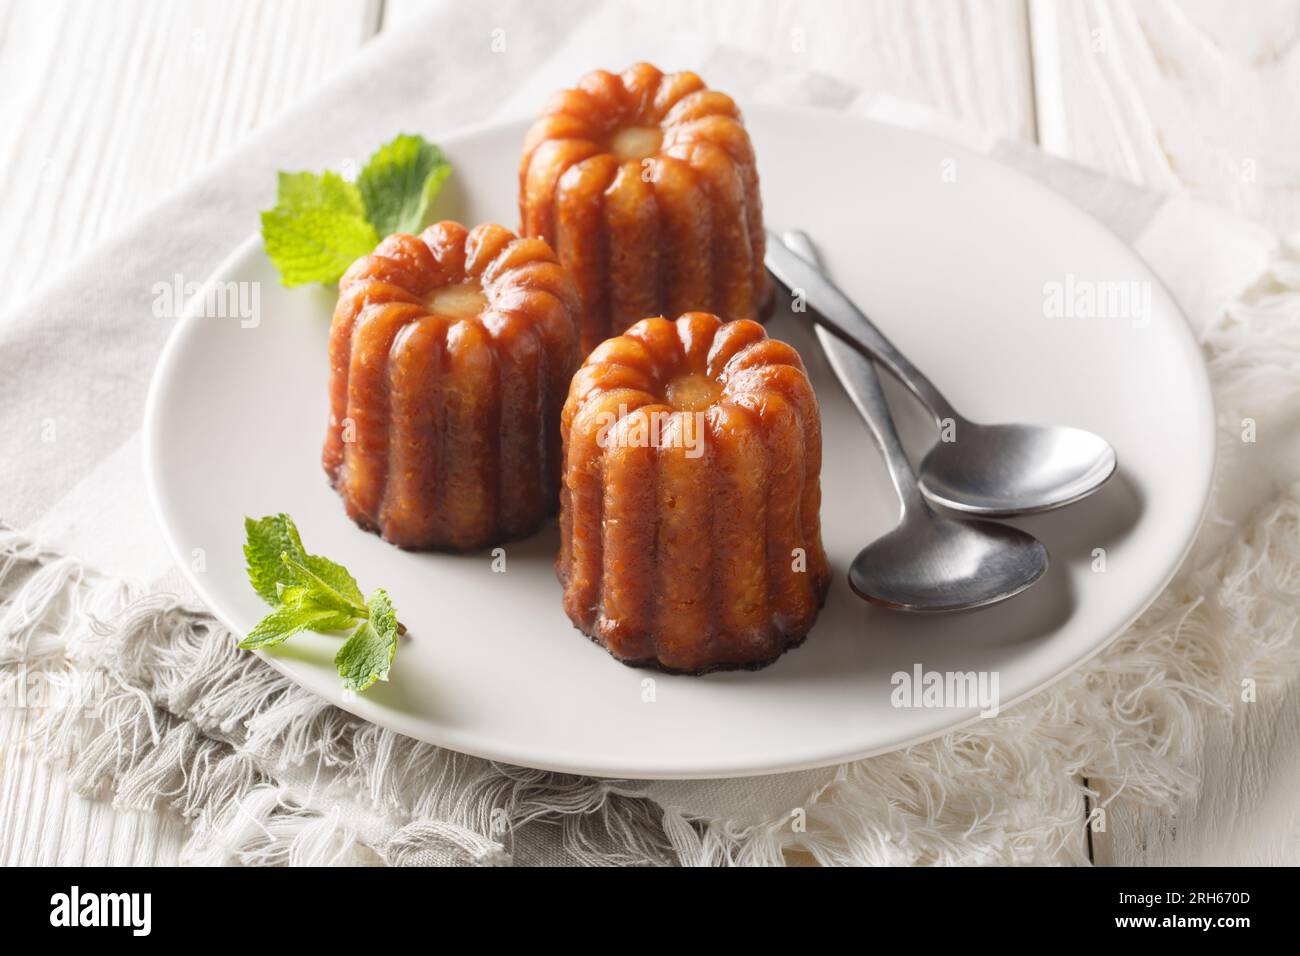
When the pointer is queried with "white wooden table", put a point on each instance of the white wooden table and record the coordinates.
(107, 107)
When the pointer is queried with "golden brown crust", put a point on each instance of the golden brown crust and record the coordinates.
(444, 428)
(680, 229)
(688, 557)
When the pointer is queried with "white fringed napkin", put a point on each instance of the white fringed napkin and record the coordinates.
(170, 717)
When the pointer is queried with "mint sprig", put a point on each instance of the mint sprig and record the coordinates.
(399, 183)
(317, 229)
(368, 654)
(309, 592)
(321, 224)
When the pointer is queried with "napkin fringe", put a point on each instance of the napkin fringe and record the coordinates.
(158, 708)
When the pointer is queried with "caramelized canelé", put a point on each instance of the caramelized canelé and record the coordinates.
(646, 186)
(450, 355)
(689, 516)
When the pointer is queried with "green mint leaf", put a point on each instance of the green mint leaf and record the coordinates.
(266, 539)
(298, 191)
(290, 594)
(399, 183)
(338, 578)
(299, 596)
(315, 245)
(284, 622)
(284, 574)
(333, 589)
(317, 229)
(368, 654)
(310, 592)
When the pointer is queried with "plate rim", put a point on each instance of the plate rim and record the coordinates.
(252, 245)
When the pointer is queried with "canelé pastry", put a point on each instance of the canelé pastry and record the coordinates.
(690, 534)
(645, 185)
(450, 355)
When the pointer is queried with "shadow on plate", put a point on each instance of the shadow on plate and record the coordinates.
(1101, 520)
(855, 641)
(404, 691)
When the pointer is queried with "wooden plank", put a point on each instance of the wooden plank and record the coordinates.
(108, 106)
(1197, 95)
(966, 58)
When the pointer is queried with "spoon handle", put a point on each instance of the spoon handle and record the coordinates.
(846, 320)
(858, 376)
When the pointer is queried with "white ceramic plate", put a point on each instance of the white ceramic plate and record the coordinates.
(955, 272)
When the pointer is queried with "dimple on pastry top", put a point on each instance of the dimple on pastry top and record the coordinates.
(450, 356)
(645, 184)
(689, 516)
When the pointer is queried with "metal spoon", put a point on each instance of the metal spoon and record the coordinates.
(993, 470)
(928, 562)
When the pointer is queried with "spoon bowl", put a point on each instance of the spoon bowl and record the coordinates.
(993, 470)
(933, 563)
(928, 562)
(1000, 470)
